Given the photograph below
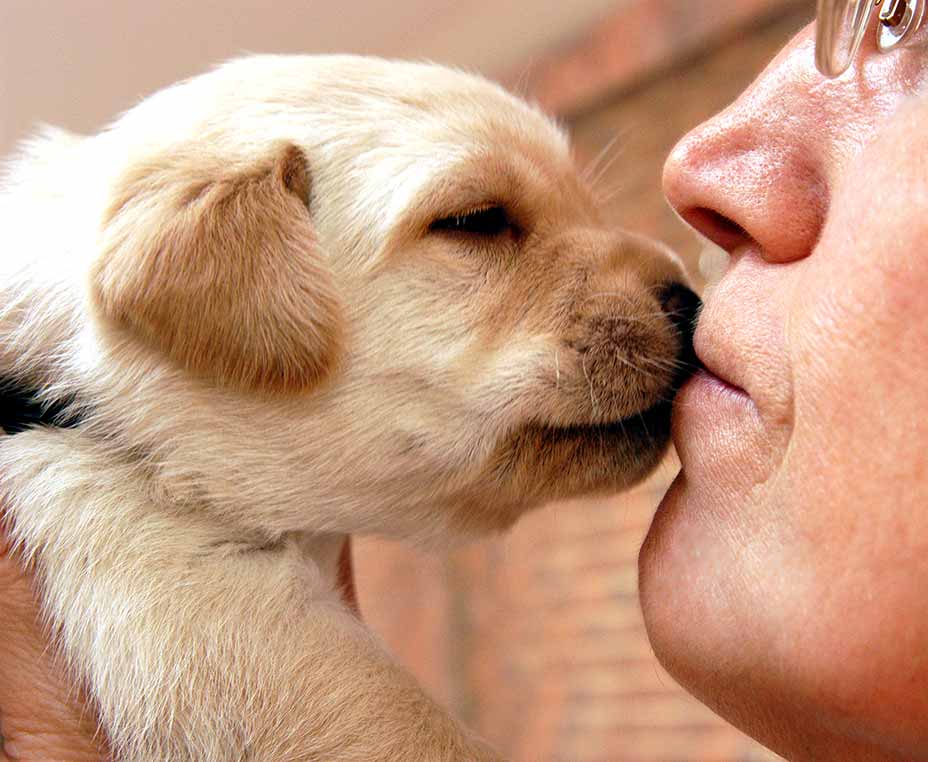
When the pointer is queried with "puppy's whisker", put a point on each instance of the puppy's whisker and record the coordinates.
(634, 367)
(663, 365)
(619, 295)
(612, 156)
(521, 84)
(589, 381)
(626, 298)
(644, 425)
(608, 195)
(592, 170)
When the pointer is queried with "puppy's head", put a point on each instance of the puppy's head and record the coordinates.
(398, 269)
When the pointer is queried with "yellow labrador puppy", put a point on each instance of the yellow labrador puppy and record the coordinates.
(289, 300)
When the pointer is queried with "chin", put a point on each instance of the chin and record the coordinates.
(685, 581)
(709, 626)
(693, 582)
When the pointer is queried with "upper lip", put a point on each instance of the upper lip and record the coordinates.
(717, 357)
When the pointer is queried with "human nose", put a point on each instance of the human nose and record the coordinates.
(755, 174)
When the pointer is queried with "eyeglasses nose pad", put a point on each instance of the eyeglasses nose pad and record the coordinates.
(839, 29)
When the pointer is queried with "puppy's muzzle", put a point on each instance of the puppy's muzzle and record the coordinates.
(634, 350)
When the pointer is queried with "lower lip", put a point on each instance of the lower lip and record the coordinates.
(718, 432)
(706, 394)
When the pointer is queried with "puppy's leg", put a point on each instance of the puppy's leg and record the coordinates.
(197, 644)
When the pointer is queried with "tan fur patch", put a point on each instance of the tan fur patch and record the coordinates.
(220, 269)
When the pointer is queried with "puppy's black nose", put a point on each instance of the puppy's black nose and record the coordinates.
(682, 306)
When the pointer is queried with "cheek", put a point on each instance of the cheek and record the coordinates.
(862, 435)
(863, 360)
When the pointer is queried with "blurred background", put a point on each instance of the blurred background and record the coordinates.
(535, 639)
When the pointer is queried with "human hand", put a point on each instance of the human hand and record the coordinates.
(43, 717)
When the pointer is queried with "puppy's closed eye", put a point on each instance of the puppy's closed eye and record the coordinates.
(490, 221)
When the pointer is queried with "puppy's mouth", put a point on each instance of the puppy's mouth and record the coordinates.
(650, 428)
(555, 461)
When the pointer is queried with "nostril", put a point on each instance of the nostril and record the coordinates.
(681, 305)
(718, 228)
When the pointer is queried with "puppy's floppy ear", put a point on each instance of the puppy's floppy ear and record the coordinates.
(218, 266)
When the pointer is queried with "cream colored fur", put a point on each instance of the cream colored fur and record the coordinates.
(271, 346)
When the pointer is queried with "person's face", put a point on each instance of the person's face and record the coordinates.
(784, 580)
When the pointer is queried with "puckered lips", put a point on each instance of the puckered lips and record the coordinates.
(718, 358)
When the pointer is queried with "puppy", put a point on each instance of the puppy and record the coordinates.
(290, 300)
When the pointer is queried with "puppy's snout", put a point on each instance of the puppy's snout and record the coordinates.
(681, 306)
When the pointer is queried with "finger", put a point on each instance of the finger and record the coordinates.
(345, 579)
(42, 718)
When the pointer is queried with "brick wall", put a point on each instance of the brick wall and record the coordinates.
(536, 639)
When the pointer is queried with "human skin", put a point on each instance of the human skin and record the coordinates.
(783, 578)
(42, 718)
